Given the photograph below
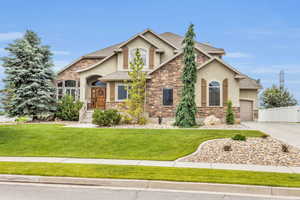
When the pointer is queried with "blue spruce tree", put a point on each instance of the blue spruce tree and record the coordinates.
(29, 78)
(186, 110)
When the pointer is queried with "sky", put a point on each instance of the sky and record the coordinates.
(260, 37)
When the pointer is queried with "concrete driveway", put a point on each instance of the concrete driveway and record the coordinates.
(286, 132)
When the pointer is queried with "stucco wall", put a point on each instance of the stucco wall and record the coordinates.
(216, 71)
(168, 50)
(109, 66)
(136, 43)
(250, 95)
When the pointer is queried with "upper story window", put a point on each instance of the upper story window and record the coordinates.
(143, 53)
(214, 93)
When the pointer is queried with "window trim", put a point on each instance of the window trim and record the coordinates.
(146, 65)
(221, 92)
(162, 99)
(64, 89)
(117, 94)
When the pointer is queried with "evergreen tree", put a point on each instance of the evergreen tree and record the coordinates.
(136, 90)
(186, 110)
(29, 78)
(229, 113)
(277, 97)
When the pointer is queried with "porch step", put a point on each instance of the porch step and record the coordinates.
(88, 117)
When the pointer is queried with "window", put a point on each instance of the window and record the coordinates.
(122, 92)
(143, 53)
(98, 84)
(67, 87)
(167, 97)
(214, 93)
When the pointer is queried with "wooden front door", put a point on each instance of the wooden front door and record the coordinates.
(98, 97)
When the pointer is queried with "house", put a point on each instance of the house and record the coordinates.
(98, 78)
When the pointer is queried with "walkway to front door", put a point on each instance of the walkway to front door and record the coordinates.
(98, 95)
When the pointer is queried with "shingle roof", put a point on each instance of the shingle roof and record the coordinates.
(173, 38)
(116, 76)
(177, 41)
(249, 83)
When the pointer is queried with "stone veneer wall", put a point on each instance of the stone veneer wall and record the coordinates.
(168, 76)
(71, 74)
(219, 112)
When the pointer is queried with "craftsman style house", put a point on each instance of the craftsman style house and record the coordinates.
(98, 78)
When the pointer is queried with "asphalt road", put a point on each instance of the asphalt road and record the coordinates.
(25, 191)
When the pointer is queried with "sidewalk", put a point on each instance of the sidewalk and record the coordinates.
(179, 164)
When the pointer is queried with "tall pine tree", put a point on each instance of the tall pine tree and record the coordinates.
(29, 78)
(186, 110)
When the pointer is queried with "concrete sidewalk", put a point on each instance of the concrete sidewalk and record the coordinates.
(179, 164)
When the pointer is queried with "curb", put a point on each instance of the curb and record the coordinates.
(149, 184)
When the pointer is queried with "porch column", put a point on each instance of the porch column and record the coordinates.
(83, 83)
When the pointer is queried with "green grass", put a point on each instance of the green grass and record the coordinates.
(142, 144)
(152, 173)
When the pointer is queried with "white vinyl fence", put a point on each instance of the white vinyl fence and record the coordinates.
(282, 114)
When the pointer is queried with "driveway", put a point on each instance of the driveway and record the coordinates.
(286, 132)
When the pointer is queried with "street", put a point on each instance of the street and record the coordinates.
(22, 191)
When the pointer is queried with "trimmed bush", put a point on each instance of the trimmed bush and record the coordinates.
(239, 137)
(229, 113)
(68, 109)
(106, 117)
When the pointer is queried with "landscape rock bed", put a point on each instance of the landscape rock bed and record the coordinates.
(255, 151)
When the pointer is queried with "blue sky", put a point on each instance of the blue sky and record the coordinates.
(260, 37)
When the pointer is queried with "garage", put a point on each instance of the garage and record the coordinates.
(246, 110)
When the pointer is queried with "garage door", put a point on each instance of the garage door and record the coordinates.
(246, 109)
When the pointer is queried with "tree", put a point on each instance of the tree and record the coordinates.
(277, 97)
(186, 110)
(29, 78)
(136, 90)
(229, 113)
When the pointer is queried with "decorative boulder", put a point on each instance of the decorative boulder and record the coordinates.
(211, 120)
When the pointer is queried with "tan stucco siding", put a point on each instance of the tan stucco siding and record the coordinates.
(251, 95)
(216, 71)
(136, 43)
(109, 66)
(168, 50)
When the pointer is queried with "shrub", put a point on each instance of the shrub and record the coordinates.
(2, 112)
(22, 119)
(142, 121)
(68, 109)
(106, 117)
(227, 148)
(229, 113)
(239, 137)
(126, 119)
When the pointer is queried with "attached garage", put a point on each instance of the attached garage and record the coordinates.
(246, 110)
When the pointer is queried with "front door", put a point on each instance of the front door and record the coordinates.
(98, 97)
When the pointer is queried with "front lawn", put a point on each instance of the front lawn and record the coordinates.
(152, 173)
(51, 140)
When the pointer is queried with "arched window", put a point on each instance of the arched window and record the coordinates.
(98, 84)
(214, 93)
(143, 53)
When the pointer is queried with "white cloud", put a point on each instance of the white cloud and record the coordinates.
(61, 53)
(238, 55)
(59, 64)
(10, 36)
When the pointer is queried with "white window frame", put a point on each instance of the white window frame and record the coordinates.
(76, 89)
(117, 94)
(221, 92)
(146, 65)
